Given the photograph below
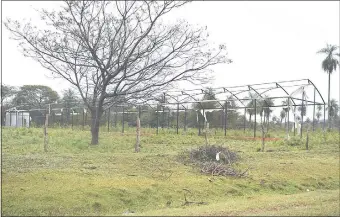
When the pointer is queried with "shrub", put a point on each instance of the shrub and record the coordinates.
(294, 141)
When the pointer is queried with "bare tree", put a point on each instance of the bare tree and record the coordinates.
(115, 52)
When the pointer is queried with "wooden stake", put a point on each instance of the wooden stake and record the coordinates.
(137, 146)
(45, 133)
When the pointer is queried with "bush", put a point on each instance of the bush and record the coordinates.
(294, 141)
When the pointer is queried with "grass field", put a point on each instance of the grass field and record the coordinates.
(73, 178)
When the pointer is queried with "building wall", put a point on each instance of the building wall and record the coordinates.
(17, 119)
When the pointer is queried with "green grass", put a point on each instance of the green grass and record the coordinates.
(74, 178)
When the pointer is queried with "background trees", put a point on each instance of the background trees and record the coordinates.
(112, 49)
(329, 64)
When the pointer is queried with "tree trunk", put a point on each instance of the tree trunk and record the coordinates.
(96, 115)
(329, 97)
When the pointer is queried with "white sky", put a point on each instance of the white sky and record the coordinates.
(267, 41)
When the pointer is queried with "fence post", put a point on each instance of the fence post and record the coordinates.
(185, 119)
(314, 112)
(45, 133)
(123, 121)
(324, 117)
(137, 146)
(72, 119)
(302, 107)
(108, 121)
(157, 118)
(177, 118)
(255, 119)
(244, 123)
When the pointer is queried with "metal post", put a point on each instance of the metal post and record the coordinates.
(244, 123)
(288, 111)
(177, 118)
(199, 124)
(116, 118)
(22, 119)
(72, 119)
(324, 116)
(168, 118)
(255, 120)
(163, 118)
(203, 120)
(185, 119)
(225, 118)
(314, 111)
(157, 119)
(29, 119)
(10, 118)
(123, 120)
(83, 118)
(301, 115)
(108, 121)
(16, 119)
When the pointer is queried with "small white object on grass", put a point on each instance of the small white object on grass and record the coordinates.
(218, 156)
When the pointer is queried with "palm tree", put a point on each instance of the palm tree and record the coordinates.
(282, 115)
(329, 65)
(333, 108)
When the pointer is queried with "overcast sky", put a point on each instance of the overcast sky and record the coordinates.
(267, 41)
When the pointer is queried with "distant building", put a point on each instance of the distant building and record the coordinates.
(17, 118)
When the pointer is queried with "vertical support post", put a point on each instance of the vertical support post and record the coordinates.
(324, 116)
(177, 118)
(45, 133)
(288, 111)
(22, 119)
(123, 120)
(116, 118)
(157, 118)
(108, 120)
(16, 119)
(168, 118)
(314, 112)
(83, 118)
(10, 118)
(185, 120)
(137, 146)
(29, 119)
(199, 123)
(255, 119)
(225, 118)
(61, 118)
(244, 122)
(163, 117)
(72, 119)
(302, 108)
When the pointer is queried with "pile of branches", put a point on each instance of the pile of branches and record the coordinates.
(219, 169)
(204, 158)
(208, 153)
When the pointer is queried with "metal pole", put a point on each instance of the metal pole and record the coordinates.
(301, 115)
(177, 118)
(324, 116)
(22, 119)
(225, 118)
(255, 120)
(29, 119)
(16, 119)
(163, 118)
(185, 119)
(116, 118)
(168, 118)
(157, 119)
(10, 118)
(108, 121)
(83, 118)
(72, 119)
(288, 111)
(123, 120)
(314, 112)
(244, 123)
(199, 123)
